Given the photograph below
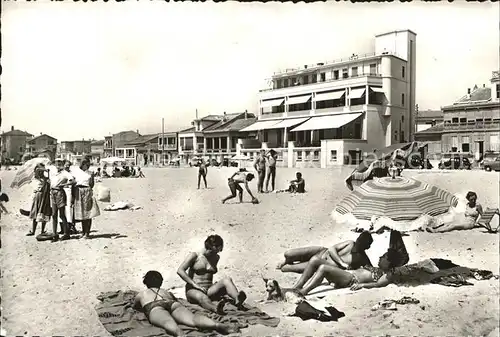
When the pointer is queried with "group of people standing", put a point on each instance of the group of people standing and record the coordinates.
(265, 165)
(66, 196)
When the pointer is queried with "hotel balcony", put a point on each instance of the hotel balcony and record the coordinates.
(472, 126)
(168, 147)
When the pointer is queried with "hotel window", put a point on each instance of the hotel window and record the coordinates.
(498, 90)
(305, 79)
(314, 78)
(278, 84)
(403, 71)
(333, 155)
(454, 143)
(299, 155)
(316, 155)
(266, 136)
(402, 99)
(293, 81)
(465, 144)
(357, 131)
(354, 71)
(345, 74)
(454, 120)
(494, 143)
(308, 155)
(336, 74)
(323, 77)
(463, 120)
(285, 83)
(373, 69)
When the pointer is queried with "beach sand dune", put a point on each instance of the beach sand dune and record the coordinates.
(51, 288)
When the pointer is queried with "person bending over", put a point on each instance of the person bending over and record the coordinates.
(163, 310)
(240, 177)
(348, 254)
(198, 270)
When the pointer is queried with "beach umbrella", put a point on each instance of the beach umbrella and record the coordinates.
(398, 198)
(26, 173)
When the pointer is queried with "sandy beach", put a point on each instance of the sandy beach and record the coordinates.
(51, 288)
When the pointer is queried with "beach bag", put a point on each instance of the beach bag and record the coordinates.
(306, 312)
(103, 193)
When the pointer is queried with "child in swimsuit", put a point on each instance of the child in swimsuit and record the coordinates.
(163, 310)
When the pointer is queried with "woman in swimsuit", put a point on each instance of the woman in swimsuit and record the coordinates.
(198, 270)
(163, 310)
(461, 221)
(365, 276)
(344, 255)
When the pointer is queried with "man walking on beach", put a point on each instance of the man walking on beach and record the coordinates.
(260, 167)
(59, 200)
(271, 169)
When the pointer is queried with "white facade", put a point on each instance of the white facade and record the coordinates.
(371, 99)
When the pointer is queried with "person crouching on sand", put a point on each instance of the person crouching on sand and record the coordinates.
(41, 209)
(163, 310)
(198, 270)
(240, 177)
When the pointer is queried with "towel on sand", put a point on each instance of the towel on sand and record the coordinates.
(437, 271)
(121, 205)
(118, 317)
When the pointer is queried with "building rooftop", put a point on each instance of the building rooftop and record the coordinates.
(396, 31)
(142, 139)
(233, 122)
(40, 136)
(438, 128)
(476, 95)
(17, 133)
(97, 142)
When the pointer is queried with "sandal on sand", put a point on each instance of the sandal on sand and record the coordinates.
(30, 233)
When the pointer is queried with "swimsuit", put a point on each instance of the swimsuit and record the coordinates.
(164, 303)
(377, 273)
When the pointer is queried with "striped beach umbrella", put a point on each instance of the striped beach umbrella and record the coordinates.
(26, 173)
(400, 199)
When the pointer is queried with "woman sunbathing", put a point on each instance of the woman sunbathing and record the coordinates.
(364, 277)
(344, 254)
(163, 310)
(198, 270)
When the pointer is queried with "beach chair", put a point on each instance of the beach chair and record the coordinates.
(485, 220)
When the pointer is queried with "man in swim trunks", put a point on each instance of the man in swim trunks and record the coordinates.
(163, 310)
(240, 177)
(260, 167)
(202, 172)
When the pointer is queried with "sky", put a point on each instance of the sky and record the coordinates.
(87, 70)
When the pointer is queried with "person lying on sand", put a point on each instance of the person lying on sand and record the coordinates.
(448, 222)
(348, 254)
(240, 177)
(364, 277)
(164, 311)
(198, 270)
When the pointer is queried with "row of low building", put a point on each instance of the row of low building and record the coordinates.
(321, 115)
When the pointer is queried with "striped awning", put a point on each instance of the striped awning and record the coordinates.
(327, 122)
(399, 199)
(290, 122)
(261, 125)
(330, 95)
(357, 93)
(272, 102)
(377, 89)
(298, 99)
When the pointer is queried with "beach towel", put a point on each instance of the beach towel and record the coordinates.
(118, 317)
(437, 271)
(121, 205)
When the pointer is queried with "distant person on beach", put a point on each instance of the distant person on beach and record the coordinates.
(140, 174)
(260, 167)
(240, 177)
(3, 198)
(202, 172)
(163, 310)
(271, 170)
(59, 200)
(198, 270)
(346, 255)
(41, 209)
(296, 186)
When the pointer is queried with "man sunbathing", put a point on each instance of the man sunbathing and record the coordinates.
(364, 277)
(240, 177)
(347, 254)
(164, 311)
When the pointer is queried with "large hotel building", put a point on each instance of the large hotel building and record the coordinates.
(322, 114)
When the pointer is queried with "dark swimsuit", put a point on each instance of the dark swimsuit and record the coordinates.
(377, 273)
(164, 303)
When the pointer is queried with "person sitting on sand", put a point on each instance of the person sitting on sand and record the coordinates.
(198, 270)
(163, 310)
(296, 186)
(346, 255)
(240, 177)
(364, 277)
